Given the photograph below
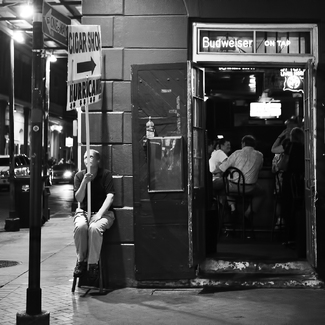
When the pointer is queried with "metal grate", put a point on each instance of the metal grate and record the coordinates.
(8, 263)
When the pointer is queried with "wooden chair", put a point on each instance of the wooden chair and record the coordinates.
(235, 191)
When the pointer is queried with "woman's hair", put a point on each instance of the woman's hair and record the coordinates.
(221, 142)
(297, 135)
(212, 142)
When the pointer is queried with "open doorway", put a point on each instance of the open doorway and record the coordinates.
(258, 101)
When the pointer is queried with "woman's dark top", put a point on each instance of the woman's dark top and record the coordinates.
(296, 154)
(295, 171)
(100, 187)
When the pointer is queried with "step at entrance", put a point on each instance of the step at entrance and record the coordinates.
(246, 273)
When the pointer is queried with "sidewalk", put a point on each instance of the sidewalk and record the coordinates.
(137, 306)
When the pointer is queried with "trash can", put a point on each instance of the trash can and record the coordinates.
(22, 195)
(22, 198)
(46, 209)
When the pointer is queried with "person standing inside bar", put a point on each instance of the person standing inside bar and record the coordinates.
(88, 230)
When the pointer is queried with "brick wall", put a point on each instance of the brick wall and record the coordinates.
(145, 32)
(133, 32)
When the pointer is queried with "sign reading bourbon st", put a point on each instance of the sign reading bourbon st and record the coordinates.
(84, 65)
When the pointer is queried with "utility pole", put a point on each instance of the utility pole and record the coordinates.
(34, 313)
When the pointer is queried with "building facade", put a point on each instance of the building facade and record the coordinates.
(22, 102)
(146, 45)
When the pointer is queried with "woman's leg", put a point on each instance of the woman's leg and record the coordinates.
(96, 231)
(80, 235)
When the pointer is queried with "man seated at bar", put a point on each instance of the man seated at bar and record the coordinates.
(88, 230)
(249, 161)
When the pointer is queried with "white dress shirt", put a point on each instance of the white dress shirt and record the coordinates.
(248, 160)
(217, 157)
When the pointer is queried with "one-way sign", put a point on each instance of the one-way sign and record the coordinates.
(84, 65)
(55, 25)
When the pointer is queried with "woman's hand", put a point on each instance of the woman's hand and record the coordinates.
(284, 134)
(87, 178)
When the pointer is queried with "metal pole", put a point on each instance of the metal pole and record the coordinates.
(34, 292)
(12, 212)
(46, 114)
(88, 159)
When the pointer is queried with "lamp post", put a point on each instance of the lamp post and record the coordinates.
(12, 224)
(12, 212)
(34, 313)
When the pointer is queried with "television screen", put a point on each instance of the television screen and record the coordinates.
(235, 83)
(265, 110)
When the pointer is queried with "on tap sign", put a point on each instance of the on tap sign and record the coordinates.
(84, 65)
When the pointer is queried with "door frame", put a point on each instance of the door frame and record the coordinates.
(196, 252)
(311, 183)
(238, 59)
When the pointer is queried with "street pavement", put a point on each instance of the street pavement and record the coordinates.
(134, 305)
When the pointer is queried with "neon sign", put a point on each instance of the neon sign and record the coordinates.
(293, 79)
(234, 43)
(222, 42)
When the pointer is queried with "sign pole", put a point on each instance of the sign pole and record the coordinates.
(88, 161)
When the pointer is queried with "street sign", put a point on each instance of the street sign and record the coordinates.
(55, 25)
(84, 65)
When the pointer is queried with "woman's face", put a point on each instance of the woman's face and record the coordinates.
(211, 147)
(226, 147)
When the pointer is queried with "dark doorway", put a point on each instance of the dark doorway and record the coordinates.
(233, 94)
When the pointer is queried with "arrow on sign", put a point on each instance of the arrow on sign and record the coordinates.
(86, 66)
(48, 21)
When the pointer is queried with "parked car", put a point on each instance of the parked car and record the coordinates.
(62, 173)
(22, 164)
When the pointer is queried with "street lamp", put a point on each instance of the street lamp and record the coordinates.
(12, 224)
(52, 58)
(18, 36)
(26, 10)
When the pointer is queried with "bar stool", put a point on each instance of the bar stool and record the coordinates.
(236, 193)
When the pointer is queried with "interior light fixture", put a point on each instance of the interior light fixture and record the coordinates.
(26, 10)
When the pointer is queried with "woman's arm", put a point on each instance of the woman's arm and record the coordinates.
(106, 205)
(81, 191)
(277, 146)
